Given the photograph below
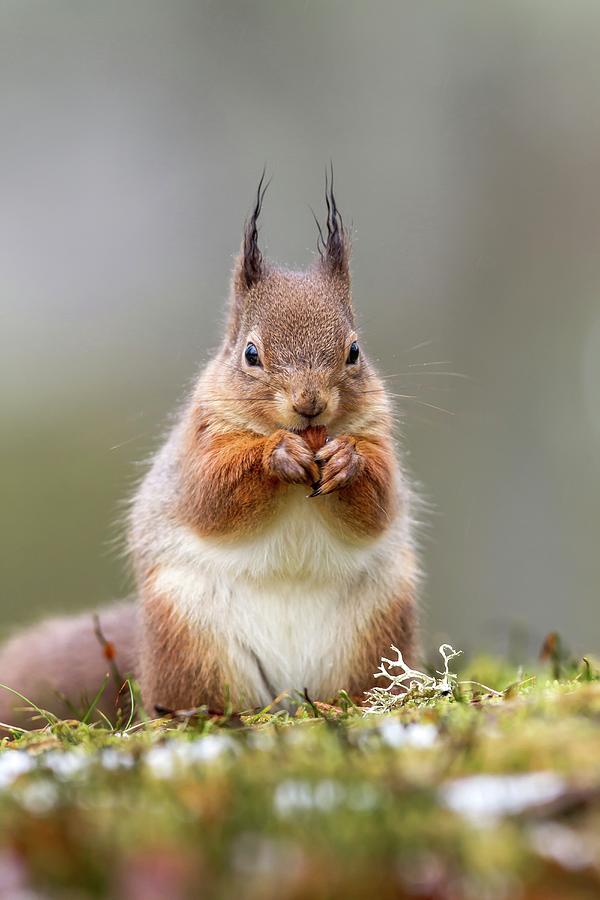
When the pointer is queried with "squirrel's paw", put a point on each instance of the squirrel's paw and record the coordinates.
(292, 461)
(339, 462)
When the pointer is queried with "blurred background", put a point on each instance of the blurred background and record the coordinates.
(466, 144)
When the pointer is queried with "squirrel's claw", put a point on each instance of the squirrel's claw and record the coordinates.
(339, 462)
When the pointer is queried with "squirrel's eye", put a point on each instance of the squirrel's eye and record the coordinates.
(251, 354)
(353, 353)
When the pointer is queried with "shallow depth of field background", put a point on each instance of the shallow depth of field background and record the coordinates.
(466, 144)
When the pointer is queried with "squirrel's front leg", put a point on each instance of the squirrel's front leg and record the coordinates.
(230, 480)
(358, 473)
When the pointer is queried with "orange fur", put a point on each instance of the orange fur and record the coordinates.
(180, 668)
(360, 492)
(397, 625)
(230, 480)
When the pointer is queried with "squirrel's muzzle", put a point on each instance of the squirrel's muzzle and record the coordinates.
(309, 398)
(309, 405)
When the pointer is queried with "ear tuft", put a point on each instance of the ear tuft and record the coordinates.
(334, 249)
(251, 264)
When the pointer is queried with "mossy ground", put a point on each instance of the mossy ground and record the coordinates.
(324, 803)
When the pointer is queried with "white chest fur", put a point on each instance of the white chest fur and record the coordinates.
(289, 603)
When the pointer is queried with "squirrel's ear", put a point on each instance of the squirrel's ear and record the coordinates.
(250, 266)
(334, 247)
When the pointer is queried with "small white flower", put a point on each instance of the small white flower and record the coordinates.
(294, 795)
(485, 798)
(38, 797)
(415, 734)
(165, 759)
(562, 845)
(65, 763)
(161, 760)
(12, 764)
(328, 794)
(210, 747)
(112, 759)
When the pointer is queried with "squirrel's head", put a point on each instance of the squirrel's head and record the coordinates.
(291, 356)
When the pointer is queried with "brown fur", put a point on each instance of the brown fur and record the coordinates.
(244, 441)
(63, 657)
(394, 625)
(302, 325)
(361, 473)
(246, 434)
(230, 480)
(179, 667)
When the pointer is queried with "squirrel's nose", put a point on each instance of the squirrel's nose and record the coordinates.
(310, 409)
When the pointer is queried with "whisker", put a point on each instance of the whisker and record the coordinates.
(439, 362)
(424, 374)
(419, 346)
(238, 400)
(411, 397)
(434, 388)
(448, 412)
(374, 391)
(129, 440)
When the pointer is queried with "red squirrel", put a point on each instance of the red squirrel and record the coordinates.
(272, 538)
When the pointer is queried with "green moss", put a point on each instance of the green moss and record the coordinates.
(323, 802)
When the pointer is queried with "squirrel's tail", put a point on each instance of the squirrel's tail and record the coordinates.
(60, 665)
